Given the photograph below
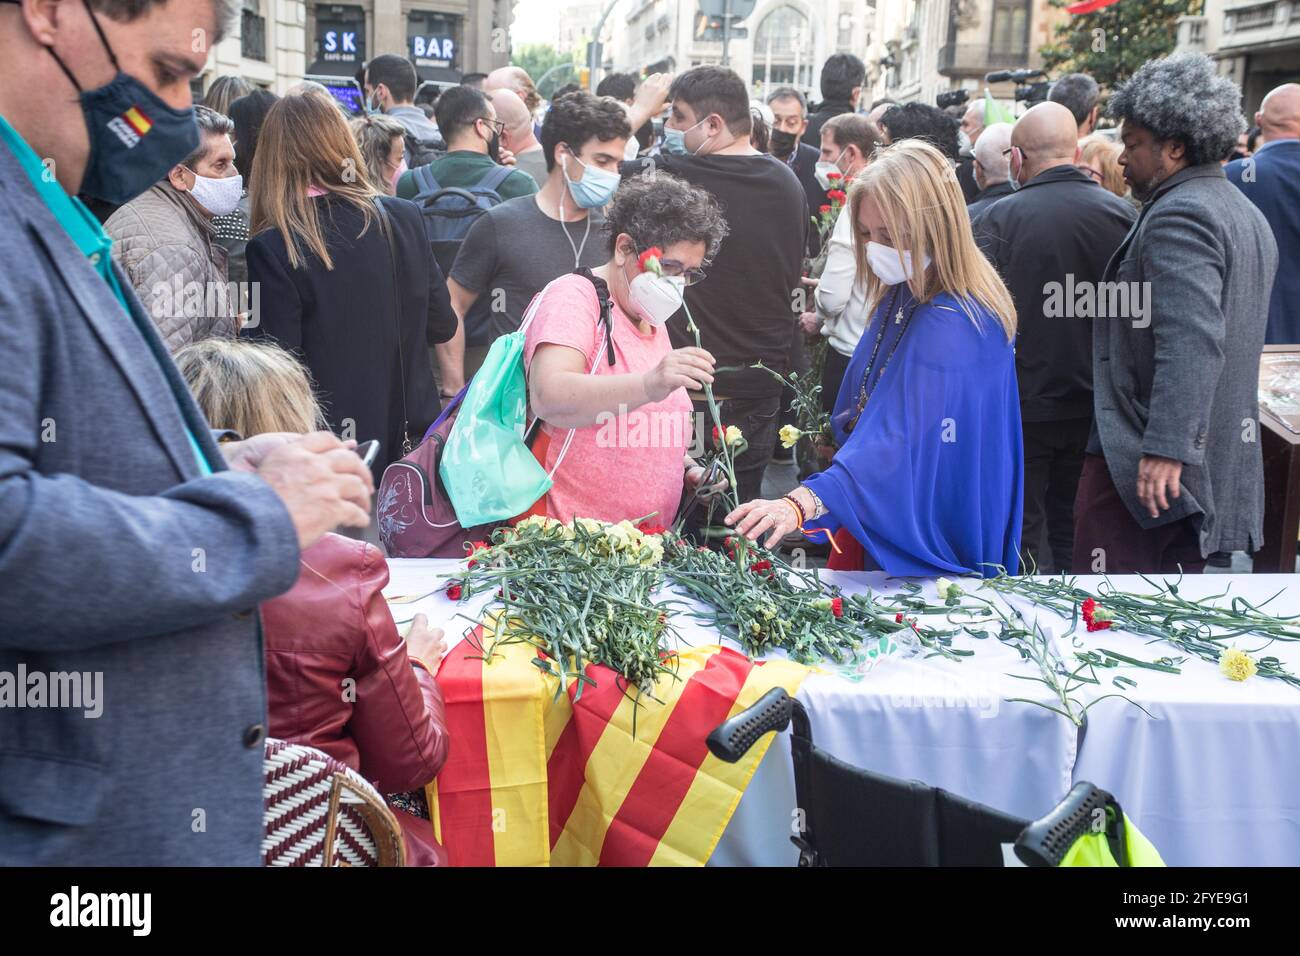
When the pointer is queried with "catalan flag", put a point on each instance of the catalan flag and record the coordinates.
(138, 120)
(536, 779)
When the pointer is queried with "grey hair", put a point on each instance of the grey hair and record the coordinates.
(124, 11)
(210, 123)
(988, 152)
(1078, 93)
(1182, 98)
(657, 209)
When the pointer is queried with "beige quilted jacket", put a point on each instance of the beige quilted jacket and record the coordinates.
(166, 248)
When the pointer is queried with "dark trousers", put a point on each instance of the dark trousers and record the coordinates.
(757, 420)
(1108, 540)
(1053, 461)
(833, 370)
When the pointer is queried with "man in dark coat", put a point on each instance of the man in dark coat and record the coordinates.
(790, 120)
(1174, 471)
(992, 168)
(1271, 180)
(841, 84)
(1051, 241)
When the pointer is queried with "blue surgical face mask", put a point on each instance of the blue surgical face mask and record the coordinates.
(675, 140)
(135, 138)
(595, 188)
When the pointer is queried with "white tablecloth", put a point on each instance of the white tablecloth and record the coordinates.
(1214, 781)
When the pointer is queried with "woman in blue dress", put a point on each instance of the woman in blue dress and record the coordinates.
(928, 474)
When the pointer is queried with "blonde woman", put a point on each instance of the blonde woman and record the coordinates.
(928, 475)
(1099, 159)
(333, 625)
(380, 139)
(330, 290)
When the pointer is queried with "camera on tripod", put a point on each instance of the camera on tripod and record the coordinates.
(951, 98)
(1029, 93)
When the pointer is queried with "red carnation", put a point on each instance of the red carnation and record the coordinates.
(839, 195)
(824, 210)
(644, 260)
(1094, 616)
(478, 546)
(646, 528)
(898, 618)
(837, 607)
(454, 592)
(759, 566)
(834, 175)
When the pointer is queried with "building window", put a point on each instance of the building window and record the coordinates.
(1010, 33)
(783, 54)
(252, 31)
(844, 34)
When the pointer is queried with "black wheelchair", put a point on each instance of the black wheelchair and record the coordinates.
(853, 817)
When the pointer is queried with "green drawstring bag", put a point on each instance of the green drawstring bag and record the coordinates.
(487, 466)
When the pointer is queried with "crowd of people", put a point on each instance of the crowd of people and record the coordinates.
(1042, 341)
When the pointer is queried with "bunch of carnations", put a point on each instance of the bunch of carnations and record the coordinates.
(581, 593)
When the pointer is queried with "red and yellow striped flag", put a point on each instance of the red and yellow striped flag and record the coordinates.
(533, 780)
(138, 120)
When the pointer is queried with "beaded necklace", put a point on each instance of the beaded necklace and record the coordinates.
(868, 387)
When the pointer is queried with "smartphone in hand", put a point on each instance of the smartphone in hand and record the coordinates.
(368, 451)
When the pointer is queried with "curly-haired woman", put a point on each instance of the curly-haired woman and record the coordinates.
(626, 425)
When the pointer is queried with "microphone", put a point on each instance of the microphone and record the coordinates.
(1011, 76)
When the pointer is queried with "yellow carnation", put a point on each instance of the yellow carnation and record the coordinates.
(1236, 664)
(789, 436)
(733, 435)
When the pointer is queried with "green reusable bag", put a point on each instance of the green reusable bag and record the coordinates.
(487, 468)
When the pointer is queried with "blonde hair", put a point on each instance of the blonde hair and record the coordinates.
(1104, 154)
(305, 142)
(916, 191)
(251, 387)
(376, 137)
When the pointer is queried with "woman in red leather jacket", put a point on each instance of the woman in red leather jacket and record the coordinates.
(338, 675)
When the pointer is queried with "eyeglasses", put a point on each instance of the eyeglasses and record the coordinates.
(497, 126)
(1094, 173)
(672, 267)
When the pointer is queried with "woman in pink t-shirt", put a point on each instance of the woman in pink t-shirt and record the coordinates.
(631, 421)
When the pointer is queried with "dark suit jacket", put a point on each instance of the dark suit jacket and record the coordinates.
(1271, 180)
(987, 197)
(118, 558)
(805, 168)
(1053, 235)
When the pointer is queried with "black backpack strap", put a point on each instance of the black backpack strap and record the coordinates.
(606, 308)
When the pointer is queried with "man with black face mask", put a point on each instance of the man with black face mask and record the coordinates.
(790, 120)
(133, 549)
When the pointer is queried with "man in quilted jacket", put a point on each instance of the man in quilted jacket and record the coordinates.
(165, 241)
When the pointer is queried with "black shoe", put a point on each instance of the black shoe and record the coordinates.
(1220, 559)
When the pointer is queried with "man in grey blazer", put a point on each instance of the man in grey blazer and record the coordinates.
(1174, 470)
(133, 550)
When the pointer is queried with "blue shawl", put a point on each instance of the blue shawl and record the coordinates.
(930, 480)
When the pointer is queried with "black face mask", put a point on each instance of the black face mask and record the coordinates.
(782, 143)
(494, 145)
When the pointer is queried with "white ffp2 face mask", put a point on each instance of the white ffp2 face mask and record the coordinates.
(655, 298)
(218, 196)
(884, 262)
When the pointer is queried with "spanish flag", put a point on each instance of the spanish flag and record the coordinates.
(137, 120)
(535, 778)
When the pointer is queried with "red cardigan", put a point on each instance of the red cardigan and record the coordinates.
(338, 677)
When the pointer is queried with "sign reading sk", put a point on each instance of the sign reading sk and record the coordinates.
(343, 43)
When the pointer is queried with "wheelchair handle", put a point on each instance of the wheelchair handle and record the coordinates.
(732, 738)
